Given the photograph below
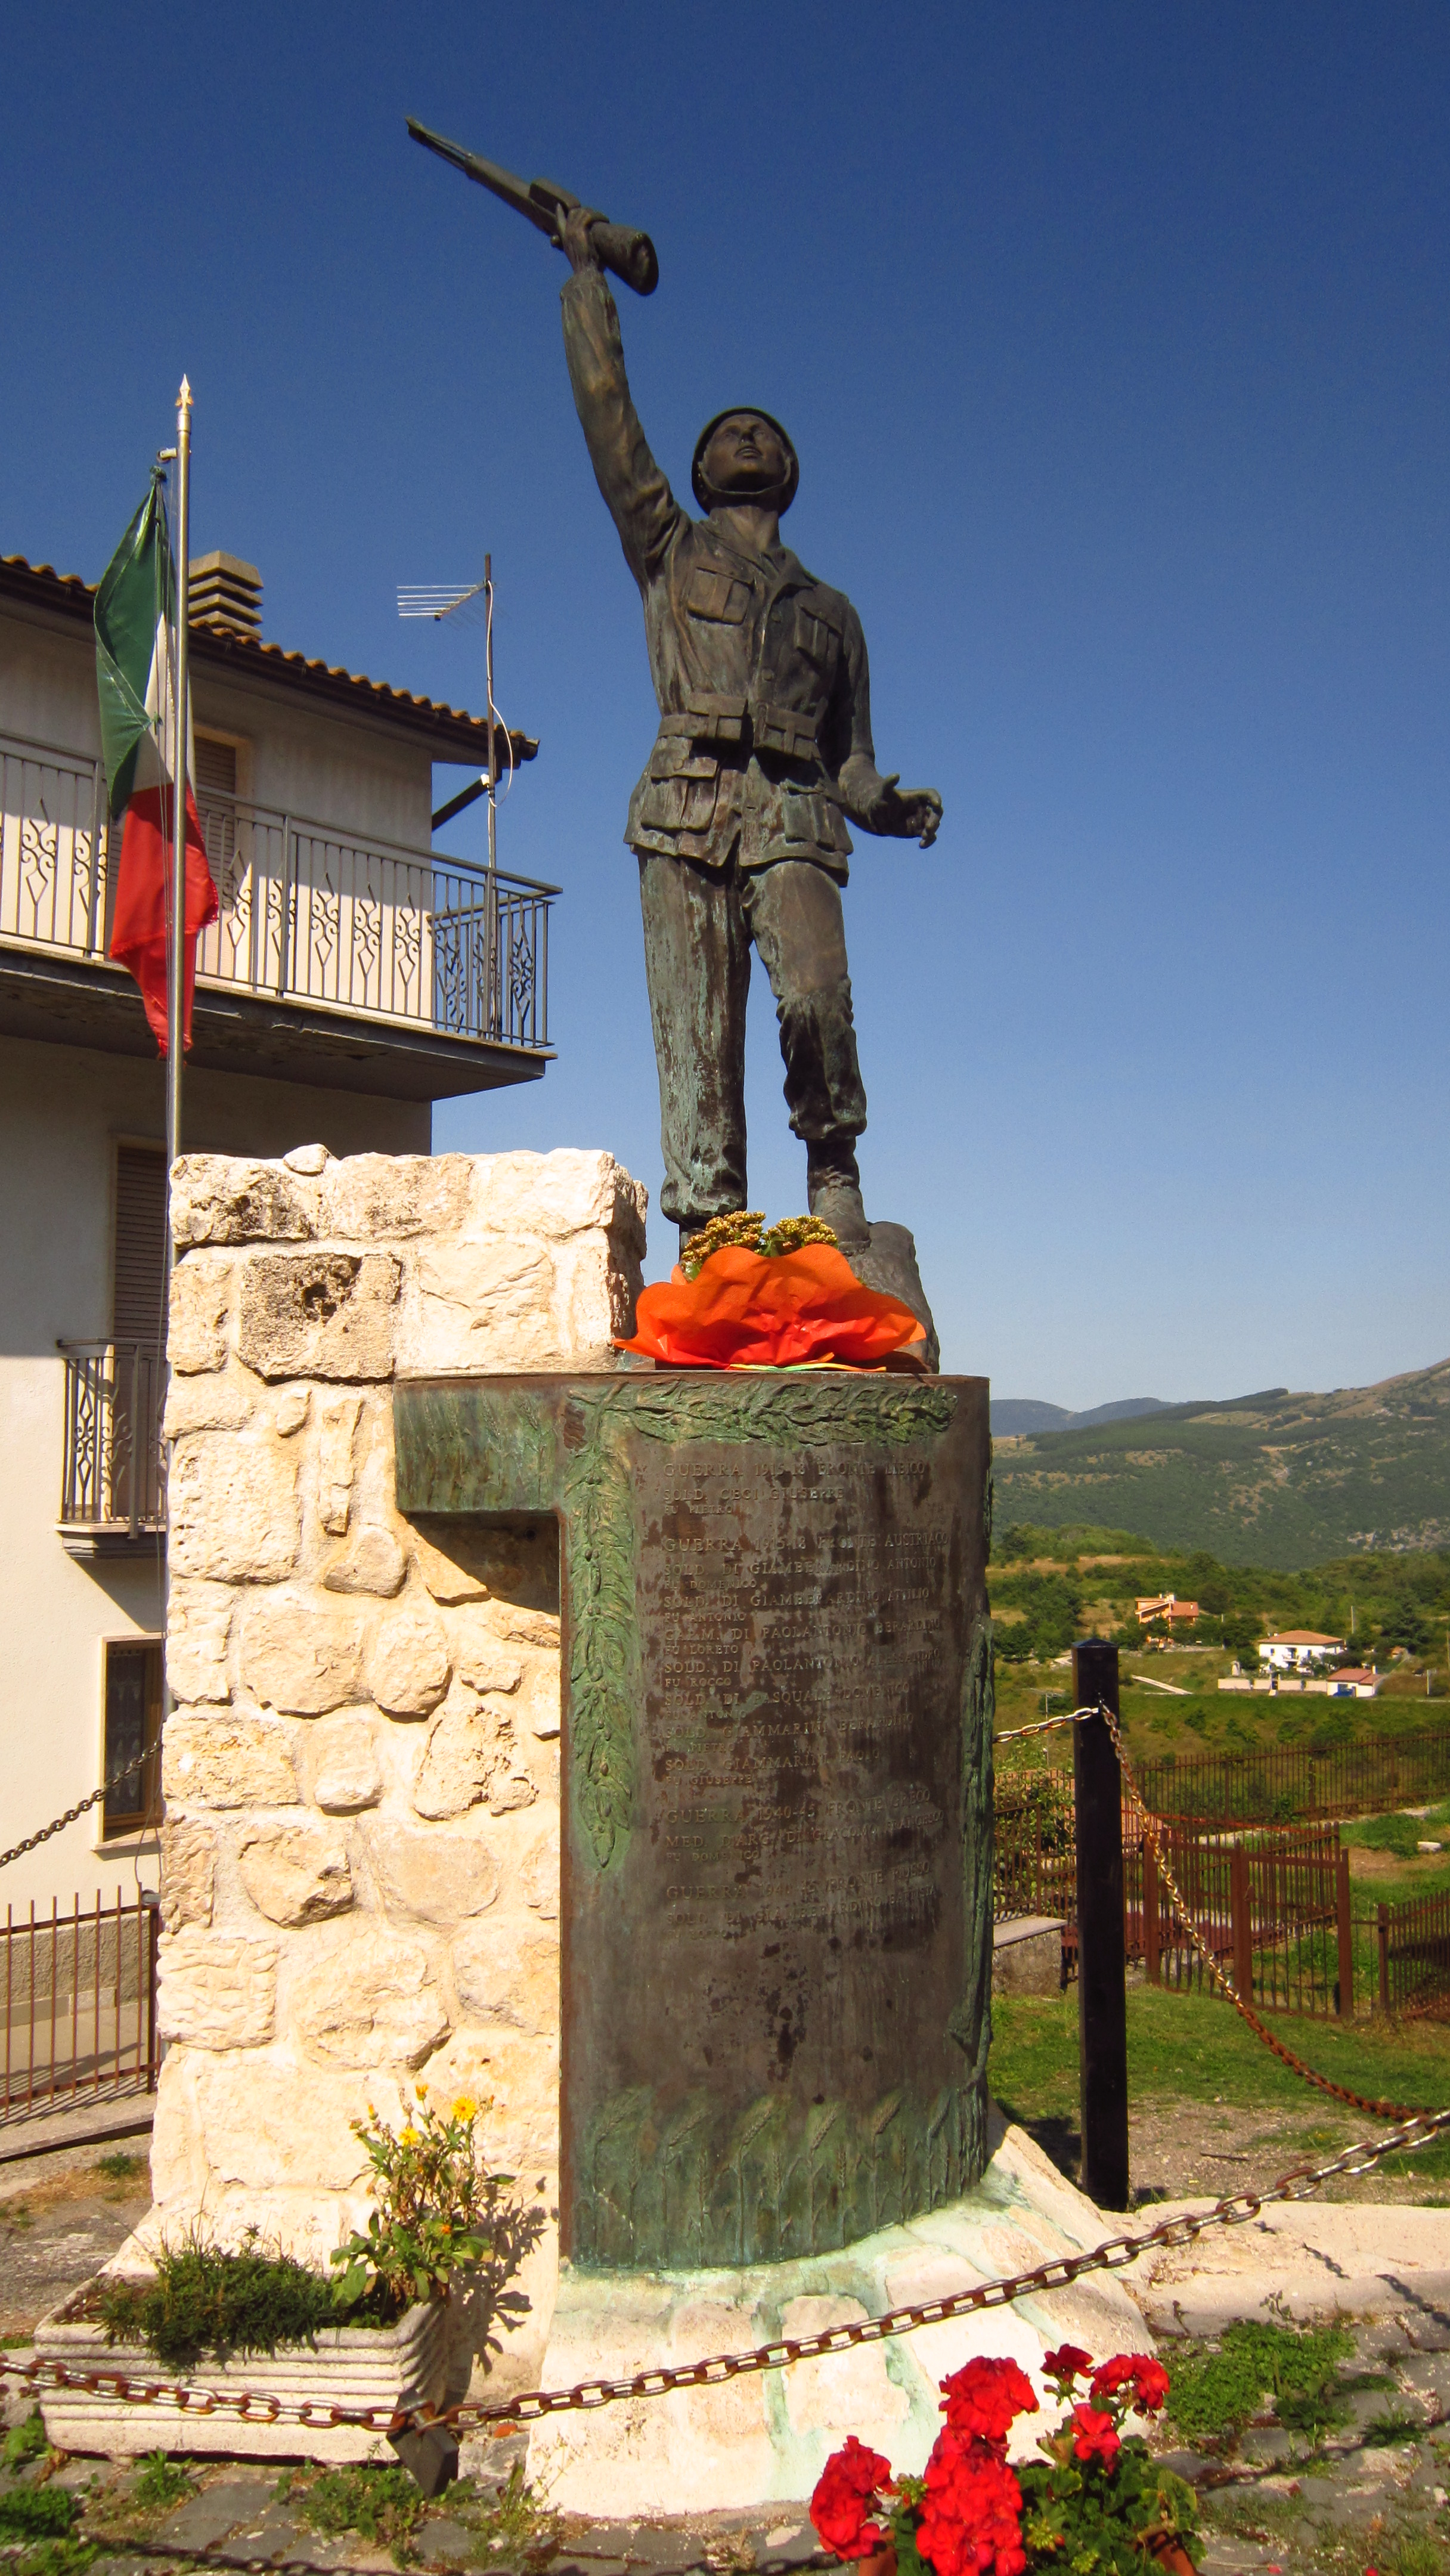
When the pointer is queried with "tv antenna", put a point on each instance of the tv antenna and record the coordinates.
(465, 602)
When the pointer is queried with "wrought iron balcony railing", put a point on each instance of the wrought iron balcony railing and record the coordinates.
(309, 914)
(113, 1482)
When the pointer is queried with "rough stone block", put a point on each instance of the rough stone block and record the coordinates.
(215, 1992)
(224, 1198)
(559, 1194)
(224, 1401)
(198, 1624)
(271, 2119)
(188, 1872)
(483, 1305)
(506, 1969)
(347, 1776)
(318, 1314)
(374, 2002)
(196, 1331)
(451, 1577)
(301, 1653)
(240, 1759)
(233, 1508)
(291, 1410)
(458, 1758)
(294, 1873)
(392, 1197)
(539, 1876)
(525, 1627)
(594, 1298)
(520, 2075)
(407, 1664)
(435, 1878)
(480, 1656)
(372, 1562)
(539, 1702)
(336, 1447)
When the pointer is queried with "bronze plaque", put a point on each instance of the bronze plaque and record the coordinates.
(776, 1905)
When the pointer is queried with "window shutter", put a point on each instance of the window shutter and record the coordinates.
(215, 767)
(140, 1255)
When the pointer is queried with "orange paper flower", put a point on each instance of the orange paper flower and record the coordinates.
(748, 1310)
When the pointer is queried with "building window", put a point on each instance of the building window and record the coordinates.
(133, 1728)
(216, 805)
(139, 1268)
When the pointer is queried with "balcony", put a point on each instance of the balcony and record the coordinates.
(354, 963)
(113, 1481)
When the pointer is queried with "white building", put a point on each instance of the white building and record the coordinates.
(1299, 1650)
(354, 977)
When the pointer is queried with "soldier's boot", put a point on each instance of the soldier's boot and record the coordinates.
(833, 1192)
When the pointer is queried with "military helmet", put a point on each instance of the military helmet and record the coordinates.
(705, 493)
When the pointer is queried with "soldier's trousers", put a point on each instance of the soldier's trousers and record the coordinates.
(699, 926)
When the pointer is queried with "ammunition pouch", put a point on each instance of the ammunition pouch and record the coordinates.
(749, 724)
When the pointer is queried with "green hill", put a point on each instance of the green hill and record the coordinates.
(1270, 1480)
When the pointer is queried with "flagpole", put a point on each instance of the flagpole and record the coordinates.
(176, 955)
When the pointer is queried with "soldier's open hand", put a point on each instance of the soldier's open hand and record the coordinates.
(574, 238)
(902, 814)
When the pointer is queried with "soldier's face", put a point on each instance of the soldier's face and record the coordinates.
(744, 456)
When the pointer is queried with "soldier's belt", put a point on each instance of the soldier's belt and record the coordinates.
(753, 723)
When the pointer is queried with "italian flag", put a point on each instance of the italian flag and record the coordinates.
(135, 654)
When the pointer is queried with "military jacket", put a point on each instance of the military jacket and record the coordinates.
(759, 669)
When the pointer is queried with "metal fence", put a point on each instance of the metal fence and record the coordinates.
(1285, 1783)
(1413, 1941)
(307, 913)
(113, 1473)
(1272, 1905)
(80, 2002)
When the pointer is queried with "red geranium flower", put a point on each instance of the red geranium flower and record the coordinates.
(1095, 2436)
(986, 2398)
(847, 2487)
(971, 2520)
(1147, 2378)
(1069, 2362)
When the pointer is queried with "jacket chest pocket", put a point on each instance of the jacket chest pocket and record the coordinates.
(717, 597)
(818, 641)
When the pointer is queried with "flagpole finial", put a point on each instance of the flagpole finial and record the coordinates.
(183, 399)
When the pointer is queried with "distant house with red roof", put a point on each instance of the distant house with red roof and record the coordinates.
(1299, 1650)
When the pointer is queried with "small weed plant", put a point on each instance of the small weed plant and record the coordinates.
(161, 2482)
(508, 2526)
(1213, 2395)
(119, 2167)
(382, 2505)
(68, 2557)
(208, 2303)
(38, 2513)
(23, 2443)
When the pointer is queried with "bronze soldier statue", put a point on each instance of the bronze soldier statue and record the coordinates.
(763, 752)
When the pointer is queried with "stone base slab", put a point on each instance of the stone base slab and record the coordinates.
(1312, 2261)
(395, 2365)
(755, 2440)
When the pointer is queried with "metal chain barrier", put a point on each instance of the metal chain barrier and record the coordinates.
(1223, 1983)
(1059, 2272)
(1056, 2274)
(32, 1842)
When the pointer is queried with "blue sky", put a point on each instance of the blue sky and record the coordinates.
(1113, 341)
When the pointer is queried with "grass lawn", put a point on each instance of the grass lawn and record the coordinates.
(1187, 2048)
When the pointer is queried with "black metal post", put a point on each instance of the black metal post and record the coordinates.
(1102, 2002)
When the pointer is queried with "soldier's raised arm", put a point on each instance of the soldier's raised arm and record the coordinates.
(641, 504)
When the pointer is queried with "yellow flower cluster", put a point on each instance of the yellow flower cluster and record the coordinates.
(748, 1232)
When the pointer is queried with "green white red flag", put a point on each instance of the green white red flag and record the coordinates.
(135, 673)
